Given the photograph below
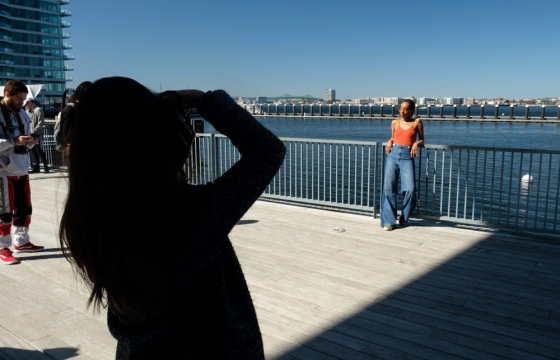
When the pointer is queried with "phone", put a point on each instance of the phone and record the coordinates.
(35, 136)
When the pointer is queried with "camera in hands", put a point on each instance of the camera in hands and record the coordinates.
(20, 149)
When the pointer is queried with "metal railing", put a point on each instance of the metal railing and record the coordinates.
(473, 113)
(472, 185)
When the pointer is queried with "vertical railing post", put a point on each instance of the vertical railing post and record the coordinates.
(285, 109)
(267, 109)
(429, 111)
(330, 109)
(558, 117)
(496, 111)
(454, 111)
(543, 109)
(276, 109)
(441, 111)
(350, 109)
(302, 109)
(468, 111)
(416, 110)
(392, 110)
(320, 110)
(214, 147)
(371, 110)
(482, 111)
(511, 111)
(360, 110)
(381, 110)
(526, 112)
(311, 109)
(339, 110)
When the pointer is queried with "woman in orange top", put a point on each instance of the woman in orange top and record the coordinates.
(406, 135)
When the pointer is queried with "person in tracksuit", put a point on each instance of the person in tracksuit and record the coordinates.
(15, 194)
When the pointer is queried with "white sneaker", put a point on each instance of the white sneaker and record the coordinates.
(388, 227)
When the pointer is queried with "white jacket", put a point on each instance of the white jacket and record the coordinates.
(12, 164)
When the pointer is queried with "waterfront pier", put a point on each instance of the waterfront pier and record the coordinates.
(326, 285)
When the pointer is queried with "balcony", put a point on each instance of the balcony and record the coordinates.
(66, 24)
(7, 74)
(69, 78)
(6, 50)
(68, 67)
(7, 62)
(65, 35)
(6, 38)
(5, 26)
(64, 2)
(65, 12)
(68, 57)
(67, 46)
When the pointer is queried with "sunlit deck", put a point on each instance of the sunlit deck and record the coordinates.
(326, 285)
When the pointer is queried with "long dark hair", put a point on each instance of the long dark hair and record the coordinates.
(411, 104)
(79, 93)
(121, 183)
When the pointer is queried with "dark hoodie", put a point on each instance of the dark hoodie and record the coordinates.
(205, 311)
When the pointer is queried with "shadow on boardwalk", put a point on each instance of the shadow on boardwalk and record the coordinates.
(498, 299)
(430, 290)
(58, 353)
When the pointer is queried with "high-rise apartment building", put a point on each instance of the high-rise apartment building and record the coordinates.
(329, 96)
(32, 45)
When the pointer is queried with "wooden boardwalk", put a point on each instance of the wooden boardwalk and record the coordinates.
(326, 285)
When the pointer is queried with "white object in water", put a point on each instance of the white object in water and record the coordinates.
(527, 178)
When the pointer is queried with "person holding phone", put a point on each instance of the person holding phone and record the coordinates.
(15, 193)
(152, 248)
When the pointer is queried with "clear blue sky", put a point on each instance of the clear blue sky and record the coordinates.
(360, 48)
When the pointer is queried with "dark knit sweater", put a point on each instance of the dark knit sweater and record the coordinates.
(205, 311)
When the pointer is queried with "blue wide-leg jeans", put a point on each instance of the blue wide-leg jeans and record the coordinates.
(398, 163)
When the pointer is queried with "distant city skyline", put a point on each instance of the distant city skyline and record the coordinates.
(361, 48)
(403, 97)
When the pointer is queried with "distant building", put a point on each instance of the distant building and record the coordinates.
(261, 99)
(423, 101)
(32, 46)
(391, 100)
(452, 101)
(329, 96)
(363, 101)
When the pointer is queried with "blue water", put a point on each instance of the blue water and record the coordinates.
(438, 132)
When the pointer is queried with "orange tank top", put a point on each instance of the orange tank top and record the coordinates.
(405, 137)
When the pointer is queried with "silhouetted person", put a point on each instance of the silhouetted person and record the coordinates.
(155, 249)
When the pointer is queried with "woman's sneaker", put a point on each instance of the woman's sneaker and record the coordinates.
(388, 227)
(6, 257)
(29, 247)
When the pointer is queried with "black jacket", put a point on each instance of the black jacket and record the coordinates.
(207, 312)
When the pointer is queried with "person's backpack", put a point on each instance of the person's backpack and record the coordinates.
(59, 143)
